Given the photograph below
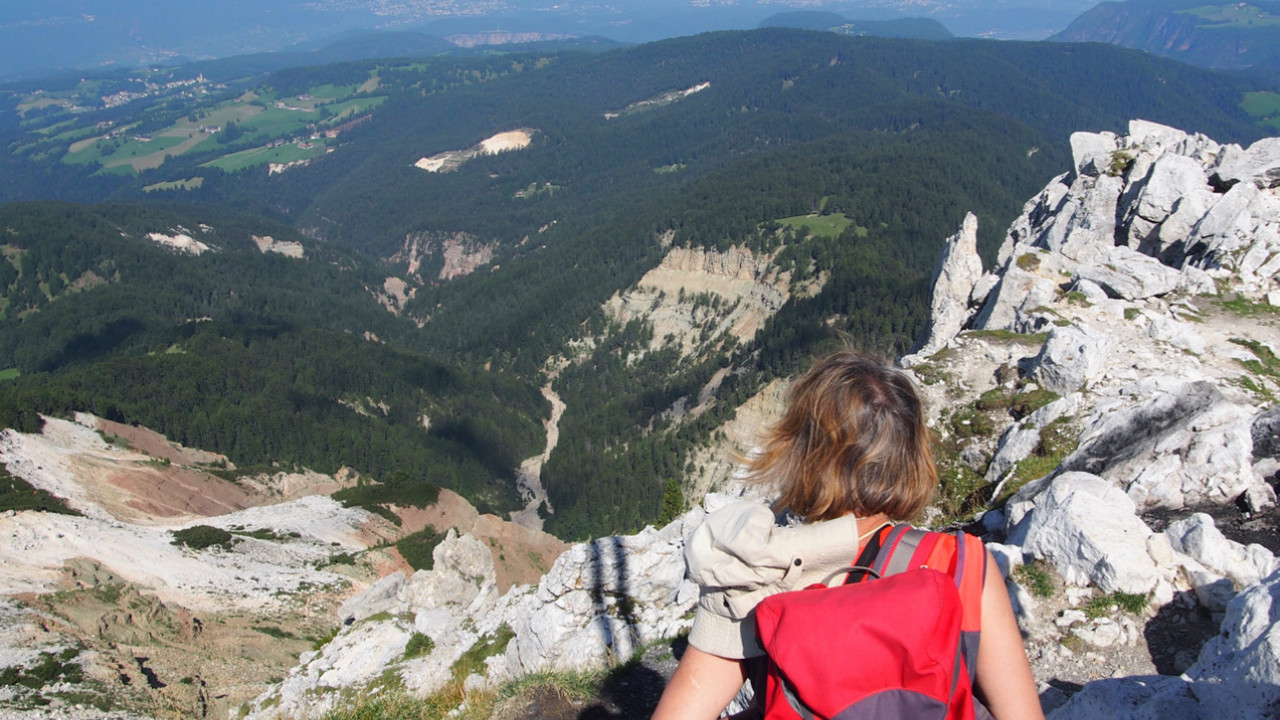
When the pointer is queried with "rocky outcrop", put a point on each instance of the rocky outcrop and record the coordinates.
(1164, 406)
(957, 273)
(697, 298)
(600, 603)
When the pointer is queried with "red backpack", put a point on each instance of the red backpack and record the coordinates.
(901, 646)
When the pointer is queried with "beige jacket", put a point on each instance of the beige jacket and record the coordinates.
(739, 555)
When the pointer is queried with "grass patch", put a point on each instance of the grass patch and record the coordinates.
(1248, 308)
(995, 399)
(1057, 441)
(9, 374)
(188, 184)
(1035, 578)
(832, 226)
(1075, 297)
(1232, 15)
(275, 632)
(472, 661)
(1265, 366)
(1264, 108)
(970, 422)
(1026, 403)
(1103, 605)
(1029, 261)
(1010, 336)
(418, 645)
(1121, 161)
(49, 668)
(321, 641)
(961, 490)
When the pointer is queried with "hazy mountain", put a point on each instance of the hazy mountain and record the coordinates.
(1221, 35)
(41, 38)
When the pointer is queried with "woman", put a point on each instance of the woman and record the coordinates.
(849, 457)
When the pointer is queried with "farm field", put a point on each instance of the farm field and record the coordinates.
(229, 130)
(1263, 107)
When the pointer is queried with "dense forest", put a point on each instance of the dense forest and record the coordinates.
(271, 360)
(294, 362)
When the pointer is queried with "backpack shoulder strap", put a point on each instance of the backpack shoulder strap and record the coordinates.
(959, 555)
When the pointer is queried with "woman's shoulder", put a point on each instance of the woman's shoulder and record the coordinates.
(746, 544)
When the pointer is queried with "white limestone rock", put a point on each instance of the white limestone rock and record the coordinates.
(958, 270)
(1163, 328)
(1259, 165)
(1088, 529)
(1198, 537)
(604, 599)
(1172, 199)
(1184, 444)
(382, 596)
(1153, 697)
(1069, 358)
(1129, 274)
(1238, 673)
(1019, 440)
(1092, 152)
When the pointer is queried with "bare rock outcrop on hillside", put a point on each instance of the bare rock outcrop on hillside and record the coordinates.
(1148, 277)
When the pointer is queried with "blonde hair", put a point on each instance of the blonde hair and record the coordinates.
(851, 440)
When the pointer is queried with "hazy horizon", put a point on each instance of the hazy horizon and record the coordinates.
(63, 35)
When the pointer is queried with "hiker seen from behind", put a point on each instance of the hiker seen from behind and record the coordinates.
(922, 629)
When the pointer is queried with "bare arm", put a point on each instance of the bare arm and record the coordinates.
(701, 687)
(1004, 675)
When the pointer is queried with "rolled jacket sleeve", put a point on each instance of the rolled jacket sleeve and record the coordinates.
(739, 557)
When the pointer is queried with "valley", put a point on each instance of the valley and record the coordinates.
(406, 375)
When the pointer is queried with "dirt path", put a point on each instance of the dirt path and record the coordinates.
(529, 478)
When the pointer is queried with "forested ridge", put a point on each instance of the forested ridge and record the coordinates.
(897, 138)
(271, 360)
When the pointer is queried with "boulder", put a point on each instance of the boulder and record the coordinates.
(1162, 328)
(1238, 674)
(1259, 166)
(1173, 198)
(1019, 440)
(1026, 287)
(1092, 152)
(382, 596)
(1197, 537)
(1183, 443)
(1129, 274)
(1069, 358)
(1087, 528)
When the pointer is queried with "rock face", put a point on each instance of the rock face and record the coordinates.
(601, 602)
(696, 298)
(959, 270)
(1144, 271)
(1127, 319)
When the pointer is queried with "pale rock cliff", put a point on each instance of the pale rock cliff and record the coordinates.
(695, 298)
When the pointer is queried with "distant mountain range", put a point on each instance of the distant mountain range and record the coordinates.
(38, 39)
(1236, 36)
